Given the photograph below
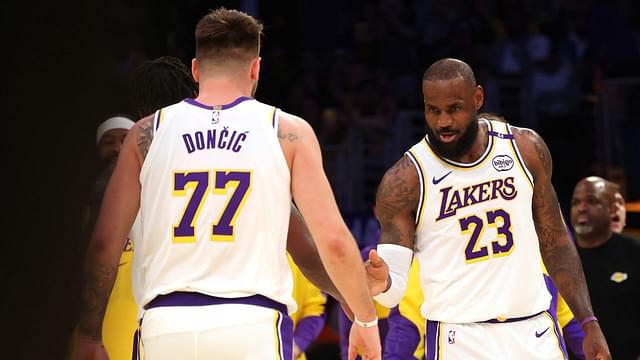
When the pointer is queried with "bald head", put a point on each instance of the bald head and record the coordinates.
(600, 187)
(449, 69)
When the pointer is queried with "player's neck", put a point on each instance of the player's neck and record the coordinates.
(221, 91)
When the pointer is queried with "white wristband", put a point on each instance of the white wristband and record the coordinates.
(369, 324)
(398, 258)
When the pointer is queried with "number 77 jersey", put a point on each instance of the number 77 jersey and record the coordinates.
(215, 204)
(475, 237)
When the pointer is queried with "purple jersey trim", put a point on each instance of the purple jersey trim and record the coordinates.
(307, 330)
(424, 185)
(182, 298)
(500, 135)
(224, 107)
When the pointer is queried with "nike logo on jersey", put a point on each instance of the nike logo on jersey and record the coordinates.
(542, 333)
(437, 181)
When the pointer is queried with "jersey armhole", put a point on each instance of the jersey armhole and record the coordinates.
(518, 156)
(423, 192)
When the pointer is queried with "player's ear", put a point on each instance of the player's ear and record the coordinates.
(478, 97)
(255, 69)
(194, 70)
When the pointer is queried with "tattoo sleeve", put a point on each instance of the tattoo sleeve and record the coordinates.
(145, 136)
(558, 250)
(99, 279)
(396, 202)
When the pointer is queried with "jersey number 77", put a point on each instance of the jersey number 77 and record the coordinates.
(234, 184)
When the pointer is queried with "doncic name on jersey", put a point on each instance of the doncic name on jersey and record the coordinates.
(224, 139)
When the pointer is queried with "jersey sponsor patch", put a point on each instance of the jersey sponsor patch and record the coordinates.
(502, 162)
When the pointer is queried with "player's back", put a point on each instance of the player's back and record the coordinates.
(477, 219)
(215, 204)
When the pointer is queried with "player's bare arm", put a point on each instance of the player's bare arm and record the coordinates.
(557, 249)
(397, 200)
(118, 211)
(558, 252)
(305, 254)
(338, 250)
(396, 204)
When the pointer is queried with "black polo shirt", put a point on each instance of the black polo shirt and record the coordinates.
(613, 276)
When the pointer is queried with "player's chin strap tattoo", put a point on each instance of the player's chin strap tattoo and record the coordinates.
(99, 280)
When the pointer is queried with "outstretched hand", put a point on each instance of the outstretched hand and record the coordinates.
(365, 341)
(377, 273)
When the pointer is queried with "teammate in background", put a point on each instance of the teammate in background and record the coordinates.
(110, 135)
(212, 178)
(154, 84)
(120, 318)
(474, 199)
(160, 82)
(610, 264)
(309, 319)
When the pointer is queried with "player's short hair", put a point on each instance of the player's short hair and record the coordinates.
(160, 82)
(449, 68)
(224, 36)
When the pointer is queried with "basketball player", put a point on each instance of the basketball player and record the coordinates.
(474, 199)
(212, 178)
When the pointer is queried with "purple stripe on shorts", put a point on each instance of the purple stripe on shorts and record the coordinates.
(183, 298)
(431, 340)
(224, 107)
(135, 354)
(286, 335)
(556, 329)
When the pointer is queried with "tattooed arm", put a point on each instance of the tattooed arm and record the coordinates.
(119, 207)
(396, 204)
(558, 251)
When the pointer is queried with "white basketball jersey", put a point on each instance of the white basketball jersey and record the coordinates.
(475, 238)
(215, 204)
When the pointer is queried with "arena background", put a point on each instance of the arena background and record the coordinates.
(570, 69)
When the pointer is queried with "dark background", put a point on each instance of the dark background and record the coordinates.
(66, 68)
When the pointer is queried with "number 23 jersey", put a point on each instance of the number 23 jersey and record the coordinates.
(215, 204)
(475, 237)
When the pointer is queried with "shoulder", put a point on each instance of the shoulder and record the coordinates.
(292, 127)
(140, 136)
(399, 188)
(534, 151)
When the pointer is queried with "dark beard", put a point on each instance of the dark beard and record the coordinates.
(455, 150)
